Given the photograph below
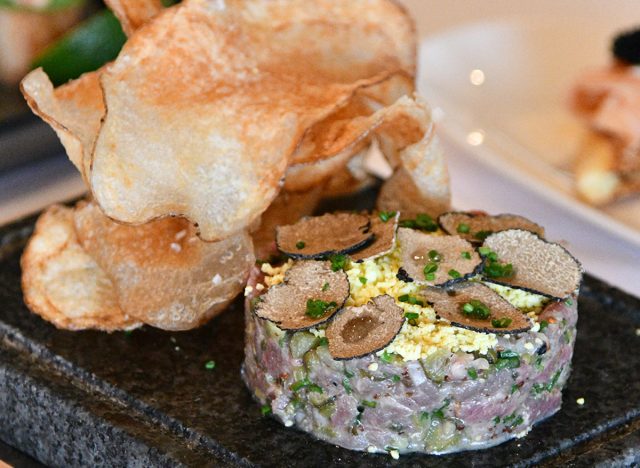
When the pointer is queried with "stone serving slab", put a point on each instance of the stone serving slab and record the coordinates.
(146, 399)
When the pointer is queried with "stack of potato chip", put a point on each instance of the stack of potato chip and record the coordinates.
(219, 118)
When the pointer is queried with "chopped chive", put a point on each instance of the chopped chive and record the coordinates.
(466, 255)
(386, 356)
(363, 280)
(435, 256)
(317, 308)
(305, 383)
(411, 315)
(325, 286)
(300, 245)
(396, 378)
(324, 341)
(484, 251)
(210, 365)
(410, 300)
(430, 276)
(514, 388)
(544, 324)
(482, 235)
(463, 228)
(430, 267)
(338, 262)
(503, 322)
(370, 404)
(386, 215)
(455, 274)
(472, 373)
(496, 420)
(265, 410)
(475, 309)
(569, 302)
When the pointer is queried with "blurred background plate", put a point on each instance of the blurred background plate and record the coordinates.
(500, 87)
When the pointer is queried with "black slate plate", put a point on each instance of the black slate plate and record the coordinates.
(145, 398)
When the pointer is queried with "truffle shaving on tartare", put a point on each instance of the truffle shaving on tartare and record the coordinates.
(436, 260)
(477, 307)
(358, 331)
(321, 236)
(310, 294)
(475, 227)
(383, 226)
(521, 259)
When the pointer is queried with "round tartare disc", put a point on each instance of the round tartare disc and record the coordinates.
(502, 316)
(358, 331)
(539, 266)
(321, 236)
(476, 227)
(288, 304)
(436, 260)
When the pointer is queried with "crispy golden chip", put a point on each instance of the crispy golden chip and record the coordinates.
(420, 183)
(163, 273)
(63, 284)
(134, 13)
(73, 110)
(222, 93)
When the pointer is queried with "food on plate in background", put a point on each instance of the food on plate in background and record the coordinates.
(219, 115)
(426, 343)
(28, 26)
(607, 99)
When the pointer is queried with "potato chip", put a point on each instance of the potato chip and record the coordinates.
(406, 137)
(163, 273)
(63, 284)
(73, 110)
(134, 13)
(207, 103)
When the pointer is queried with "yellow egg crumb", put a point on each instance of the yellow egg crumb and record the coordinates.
(425, 335)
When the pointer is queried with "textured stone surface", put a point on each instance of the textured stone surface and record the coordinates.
(146, 399)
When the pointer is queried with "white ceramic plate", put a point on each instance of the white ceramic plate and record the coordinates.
(501, 88)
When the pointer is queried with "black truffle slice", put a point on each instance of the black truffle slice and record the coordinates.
(476, 307)
(358, 331)
(321, 236)
(538, 266)
(475, 227)
(383, 226)
(436, 260)
(310, 294)
(626, 46)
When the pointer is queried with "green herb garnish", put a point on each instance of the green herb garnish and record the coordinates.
(475, 309)
(265, 410)
(455, 274)
(396, 378)
(411, 315)
(363, 280)
(503, 322)
(338, 262)
(386, 356)
(472, 373)
(544, 324)
(324, 341)
(300, 245)
(484, 251)
(410, 300)
(429, 271)
(482, 235)
(466, 255)
(305, 383)
(370, 404)
(347, 385)
(317, 308)
(435, 256)
(508, 360)
(423, 222)
(210, 365)
(325, 286)
(386, 215)
(463, 228)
